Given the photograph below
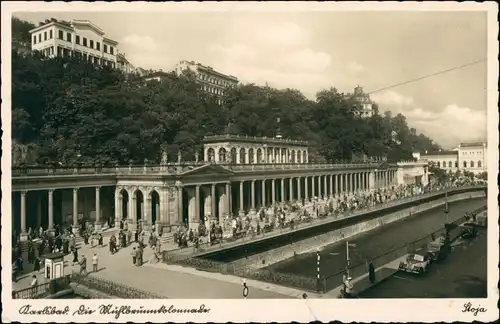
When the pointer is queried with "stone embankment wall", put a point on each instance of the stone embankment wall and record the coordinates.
(311, 244)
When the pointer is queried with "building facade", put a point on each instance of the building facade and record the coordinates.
(365, 104)
(254, 150)
(124, 64)
(78, 37)
(471, 157)
(211, 81)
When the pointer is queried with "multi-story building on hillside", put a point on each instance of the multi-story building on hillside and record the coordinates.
(365, 104)
(470, 157)
(77, 37)
(124, 64)
(211, 81)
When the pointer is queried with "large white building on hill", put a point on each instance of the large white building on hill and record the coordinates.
(77, 37)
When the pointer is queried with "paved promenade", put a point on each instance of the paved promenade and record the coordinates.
(166, 280)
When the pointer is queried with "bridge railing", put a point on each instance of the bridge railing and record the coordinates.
(175, 168)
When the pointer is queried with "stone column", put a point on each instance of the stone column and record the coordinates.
(337, 191)
(263, 193)
(252, 195)
(331, 185)
(75, 211)
(24, 233)
(247, 156)
(306, 188)
(282, 189)
(299, 193)
(97, 208)
(273, 191)
(228, 197)
(214, 210)
(51, 210)
(241, 211)
(238, 156)
(325, 186)
(197, 215)
(290, 189)
(133, 211)
(313, 187)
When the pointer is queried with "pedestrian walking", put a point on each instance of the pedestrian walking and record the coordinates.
(371, 273)
(134, 255)
(94, 262)
(83, 265)
(75, 255)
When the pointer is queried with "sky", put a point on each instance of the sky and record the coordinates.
(310, 51)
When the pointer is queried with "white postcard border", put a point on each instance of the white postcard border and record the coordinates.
(248, 310)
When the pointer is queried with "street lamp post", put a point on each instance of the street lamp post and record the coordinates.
(347, 245)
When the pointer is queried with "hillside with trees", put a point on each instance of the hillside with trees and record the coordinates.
(70, 111)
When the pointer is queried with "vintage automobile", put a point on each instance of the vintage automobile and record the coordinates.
(437, 249)
(469, 230)
(415, 263)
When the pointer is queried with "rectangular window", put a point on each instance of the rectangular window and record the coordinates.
(77, 40)
(39, 37)
(91, 44)
(34, 39)
(111, 49)
(61, 34)
(50, 34)
(105, 48)
(84, 41)
(44, 36)
(98, 46)
(68, 37)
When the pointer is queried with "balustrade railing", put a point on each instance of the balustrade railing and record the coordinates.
(42, 290)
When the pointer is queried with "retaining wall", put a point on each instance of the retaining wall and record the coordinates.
(311, 244)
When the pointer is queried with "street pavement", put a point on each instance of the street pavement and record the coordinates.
(462, 275)
(168, 282)
(376, 242)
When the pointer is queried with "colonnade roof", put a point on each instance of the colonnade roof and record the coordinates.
(32, 178)
(252, 140)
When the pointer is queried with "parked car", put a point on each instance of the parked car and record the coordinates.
(415, 263)
(469, 230)
(437, 250)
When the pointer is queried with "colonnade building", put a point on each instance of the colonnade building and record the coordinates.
(172, 194)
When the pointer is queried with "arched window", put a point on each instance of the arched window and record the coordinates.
(479, 165)
(465, 164)
(439, 164)
(471, 164)
(449, 164)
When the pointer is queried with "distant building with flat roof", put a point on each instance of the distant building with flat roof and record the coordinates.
(470, 157)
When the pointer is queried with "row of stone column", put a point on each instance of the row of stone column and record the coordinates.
(51, 211)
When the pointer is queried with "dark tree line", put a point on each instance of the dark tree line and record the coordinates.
(70, 111)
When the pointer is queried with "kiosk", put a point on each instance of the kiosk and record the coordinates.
(54, 265)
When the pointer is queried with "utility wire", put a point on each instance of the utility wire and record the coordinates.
(427, 76)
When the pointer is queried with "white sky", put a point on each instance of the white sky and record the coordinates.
(310, 51)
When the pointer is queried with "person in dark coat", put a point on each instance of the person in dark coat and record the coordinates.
(371, 273)
(31, 253)
(100, 240)
(75, 255)
(37, 264)
(66, 246)
(136, 236)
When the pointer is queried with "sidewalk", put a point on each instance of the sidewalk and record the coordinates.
(169, 282)
(363, 283)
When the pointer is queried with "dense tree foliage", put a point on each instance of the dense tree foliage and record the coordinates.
(70, 111)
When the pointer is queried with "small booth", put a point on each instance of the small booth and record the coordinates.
(54, 265)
